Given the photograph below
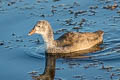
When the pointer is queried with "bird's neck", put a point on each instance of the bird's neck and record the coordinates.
(49, 38)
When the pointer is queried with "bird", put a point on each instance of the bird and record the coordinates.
(68, 42)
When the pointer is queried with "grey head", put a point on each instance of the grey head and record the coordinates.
(41, 27)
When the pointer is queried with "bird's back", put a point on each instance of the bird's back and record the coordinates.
(80, 40)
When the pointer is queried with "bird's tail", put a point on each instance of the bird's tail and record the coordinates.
(100, 32)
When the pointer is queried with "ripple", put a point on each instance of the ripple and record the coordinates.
(110, 52)
(37, 51)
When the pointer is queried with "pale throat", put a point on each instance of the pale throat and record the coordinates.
(49, 40)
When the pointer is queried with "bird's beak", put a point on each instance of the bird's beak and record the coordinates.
(31, 32)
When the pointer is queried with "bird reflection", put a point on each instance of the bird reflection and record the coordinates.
(49, 71)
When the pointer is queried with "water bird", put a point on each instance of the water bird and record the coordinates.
(68, 42)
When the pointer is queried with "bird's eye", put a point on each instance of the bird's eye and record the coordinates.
(38, 26)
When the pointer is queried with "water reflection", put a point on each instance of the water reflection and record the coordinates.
(49, 71)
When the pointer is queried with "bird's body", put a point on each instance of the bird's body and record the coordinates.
(68, 42)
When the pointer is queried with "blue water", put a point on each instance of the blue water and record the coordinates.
(22, 54)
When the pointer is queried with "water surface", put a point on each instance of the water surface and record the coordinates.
(20, 54)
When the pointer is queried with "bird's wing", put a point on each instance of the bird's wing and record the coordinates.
(68, 39)
(72, 38)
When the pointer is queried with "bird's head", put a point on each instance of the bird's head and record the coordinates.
(41, 27)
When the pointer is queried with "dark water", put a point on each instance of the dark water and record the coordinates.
(21, 54)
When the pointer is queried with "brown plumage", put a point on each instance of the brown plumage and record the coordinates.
(68, 42)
